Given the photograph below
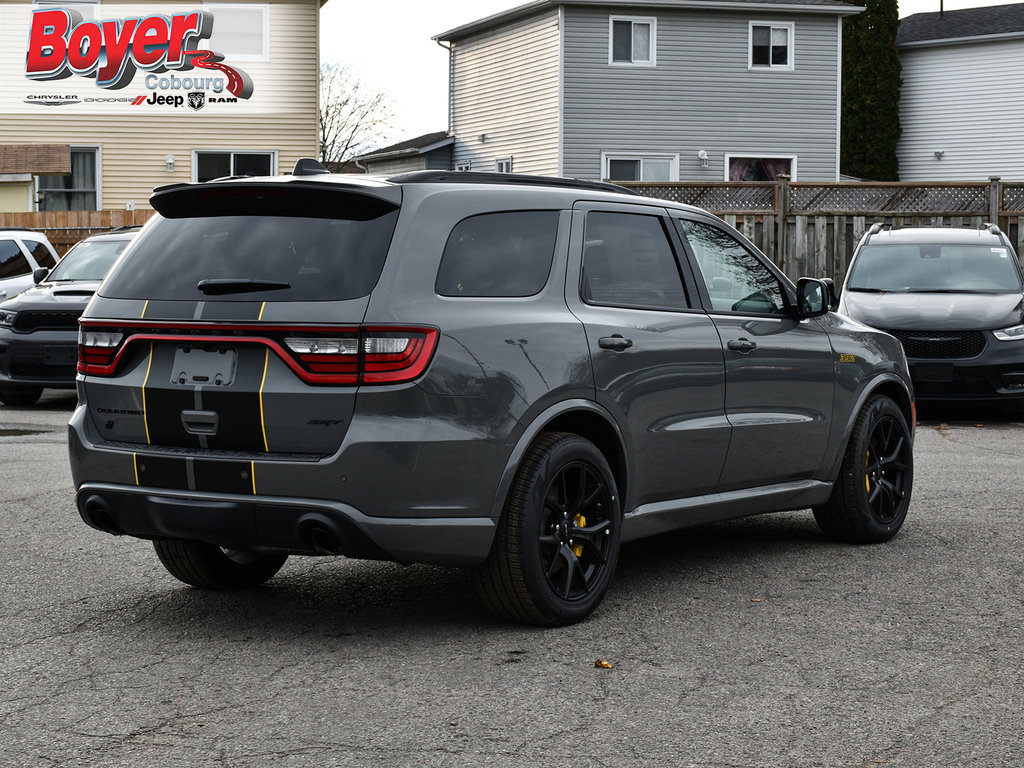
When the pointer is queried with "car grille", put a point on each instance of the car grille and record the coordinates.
(34, 319)
(941, 345)
(961, 386)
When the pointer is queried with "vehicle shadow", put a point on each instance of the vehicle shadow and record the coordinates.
(337, 598)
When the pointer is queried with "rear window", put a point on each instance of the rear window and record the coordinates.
(312, 258)
(499, 254)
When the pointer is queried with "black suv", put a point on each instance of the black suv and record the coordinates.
(506, 373)
(39, 327)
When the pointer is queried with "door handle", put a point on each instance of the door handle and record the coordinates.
(615, 341)
(200, 422)
(742, 345)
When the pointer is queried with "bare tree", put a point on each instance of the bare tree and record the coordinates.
(353, 118)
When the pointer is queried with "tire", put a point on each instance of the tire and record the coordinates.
(209, 567)
(12, 394)
(872, 493)
(557, 542)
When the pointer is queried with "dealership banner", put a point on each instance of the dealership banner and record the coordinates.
(159, 62)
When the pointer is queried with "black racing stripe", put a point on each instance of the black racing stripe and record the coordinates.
(231, 310)
(239, 427)
(223, 476)
(170, 310)
(162, 472)
(166, 400)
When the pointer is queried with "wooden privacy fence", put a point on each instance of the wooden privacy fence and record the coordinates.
(65, 228)
(811, 228)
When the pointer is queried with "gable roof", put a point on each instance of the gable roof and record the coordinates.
(969, 24)
(418, 146)
(836, 7)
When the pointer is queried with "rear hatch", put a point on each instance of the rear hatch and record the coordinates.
(234, 324)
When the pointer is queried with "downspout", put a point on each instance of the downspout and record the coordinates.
(451, 67)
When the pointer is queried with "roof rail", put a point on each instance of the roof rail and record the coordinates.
(475, 177)
(19, 229)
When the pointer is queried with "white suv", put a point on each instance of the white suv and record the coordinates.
(22, 252)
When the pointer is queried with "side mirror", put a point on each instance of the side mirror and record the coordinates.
(812, 297)
(39, 274)
(833, 297)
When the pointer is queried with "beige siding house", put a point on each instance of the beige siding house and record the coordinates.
(255, 112)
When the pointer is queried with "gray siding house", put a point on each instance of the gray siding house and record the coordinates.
(962, 99)
(706, 90)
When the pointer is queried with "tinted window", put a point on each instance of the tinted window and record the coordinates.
(628, 262)
(41, 254)
(317, 258)
(498, 254)
(930, 268)
(89, 260)
(736, 280)
(12, 260)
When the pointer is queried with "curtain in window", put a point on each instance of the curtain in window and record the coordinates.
(74, 192)
(774, 166)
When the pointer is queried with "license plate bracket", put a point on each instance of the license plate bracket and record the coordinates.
(60, 356)
(204, 366)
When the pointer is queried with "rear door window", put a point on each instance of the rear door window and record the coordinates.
(12, 261)
(499, 254)
(628, 262)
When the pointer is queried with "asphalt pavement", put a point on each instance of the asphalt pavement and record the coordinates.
(751, 643)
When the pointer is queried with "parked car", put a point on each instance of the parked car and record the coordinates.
(39, 327)
(507, 373)
(953, 297)
(22, 252)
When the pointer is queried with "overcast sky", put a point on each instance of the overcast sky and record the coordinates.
(387, 44)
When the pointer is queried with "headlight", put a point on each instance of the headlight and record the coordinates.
(1016, 333)
(7, 318)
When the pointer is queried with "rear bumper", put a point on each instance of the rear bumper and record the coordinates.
(298, 526)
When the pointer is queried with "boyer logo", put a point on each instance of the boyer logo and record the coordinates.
(61, 44)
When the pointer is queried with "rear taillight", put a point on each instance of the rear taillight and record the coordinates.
(320, 355)
(97, 350)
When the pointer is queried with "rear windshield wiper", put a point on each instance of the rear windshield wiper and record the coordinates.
(220, 286)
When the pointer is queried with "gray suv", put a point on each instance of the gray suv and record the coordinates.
(506, 373)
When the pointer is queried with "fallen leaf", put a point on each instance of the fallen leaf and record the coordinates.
(602, 664)
(755, 599)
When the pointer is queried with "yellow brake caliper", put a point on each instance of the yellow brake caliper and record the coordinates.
(580, 522)
(867, 474)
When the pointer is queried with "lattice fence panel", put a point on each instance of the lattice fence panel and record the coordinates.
(950, 200)
(718, 198)
(1013, 198)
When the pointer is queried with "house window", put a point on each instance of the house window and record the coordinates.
(759, 168)
(214, 164)
(632, 40)
(240, 32)
(503, 165)
(79, 190)
(463, 167)
(90, 9)
(640, 167)
(771, 45)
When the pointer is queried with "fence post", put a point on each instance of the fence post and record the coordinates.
(993, 199)
(781, 211)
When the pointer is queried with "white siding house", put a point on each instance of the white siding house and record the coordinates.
(707, 90)
(963, 95)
